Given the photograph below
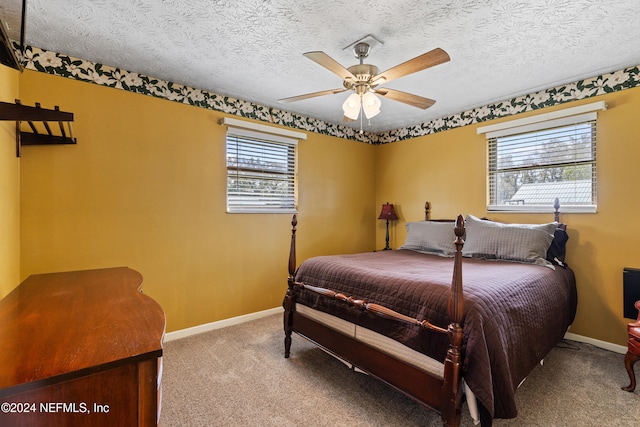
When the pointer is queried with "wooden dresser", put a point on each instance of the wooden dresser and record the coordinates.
(80, 348)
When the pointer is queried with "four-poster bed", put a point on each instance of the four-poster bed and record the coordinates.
(376, 312)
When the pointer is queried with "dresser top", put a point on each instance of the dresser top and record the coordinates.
(57, 326)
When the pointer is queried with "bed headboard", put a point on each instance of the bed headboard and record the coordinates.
(427, 212)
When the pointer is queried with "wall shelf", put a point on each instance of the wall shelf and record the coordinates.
(38, 118)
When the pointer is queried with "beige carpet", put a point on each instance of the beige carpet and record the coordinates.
(238, 376)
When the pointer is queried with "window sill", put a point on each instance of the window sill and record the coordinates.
(264, 211)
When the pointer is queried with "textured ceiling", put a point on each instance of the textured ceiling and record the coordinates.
(252, 49)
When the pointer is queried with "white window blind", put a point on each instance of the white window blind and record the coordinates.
(261, 172)
(532, 165)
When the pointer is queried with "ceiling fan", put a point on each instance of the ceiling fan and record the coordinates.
(364, 79)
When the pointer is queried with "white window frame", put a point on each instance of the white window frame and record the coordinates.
(267, 141)
(561, 118)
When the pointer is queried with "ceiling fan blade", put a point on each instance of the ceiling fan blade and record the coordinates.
(330, 64)
(311, 95)
(407, 98)
(426, 60)
(346, 119)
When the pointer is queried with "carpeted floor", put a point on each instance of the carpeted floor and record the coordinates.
(238, 376)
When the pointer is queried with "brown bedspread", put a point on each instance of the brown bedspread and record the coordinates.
(514, 313)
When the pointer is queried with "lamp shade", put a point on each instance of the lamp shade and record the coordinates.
(388, 212)
(371, 105)
(351, 106)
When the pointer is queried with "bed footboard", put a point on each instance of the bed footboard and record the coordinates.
(447, 396)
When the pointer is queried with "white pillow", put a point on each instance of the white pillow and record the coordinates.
(513, 242)
(431, 237)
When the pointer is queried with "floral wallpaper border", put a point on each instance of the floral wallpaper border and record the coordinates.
(78, 69)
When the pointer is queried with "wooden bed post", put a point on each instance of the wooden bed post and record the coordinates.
(289, 299)
(452, 386)
(427, 209)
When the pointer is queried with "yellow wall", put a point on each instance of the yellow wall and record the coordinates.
(145, 187)
(9, 189)
(449, 170)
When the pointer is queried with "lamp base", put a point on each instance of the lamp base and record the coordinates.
(387, 248)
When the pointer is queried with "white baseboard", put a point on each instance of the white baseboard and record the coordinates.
(182, 333)
(598, 343)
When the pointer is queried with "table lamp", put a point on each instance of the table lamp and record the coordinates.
(387, 213)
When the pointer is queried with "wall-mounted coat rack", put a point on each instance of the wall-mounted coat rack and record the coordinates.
(37, 115)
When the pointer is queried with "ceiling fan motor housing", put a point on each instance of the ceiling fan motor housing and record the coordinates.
(363, 73)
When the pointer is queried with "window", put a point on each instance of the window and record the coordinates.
(261, 171)
(533, 164)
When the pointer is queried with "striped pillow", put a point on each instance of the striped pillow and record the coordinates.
(512, 242)
(431, 238)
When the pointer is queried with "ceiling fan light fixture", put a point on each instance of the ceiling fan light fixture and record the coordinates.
(363, 79)
(371, 105)
(351, 106)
